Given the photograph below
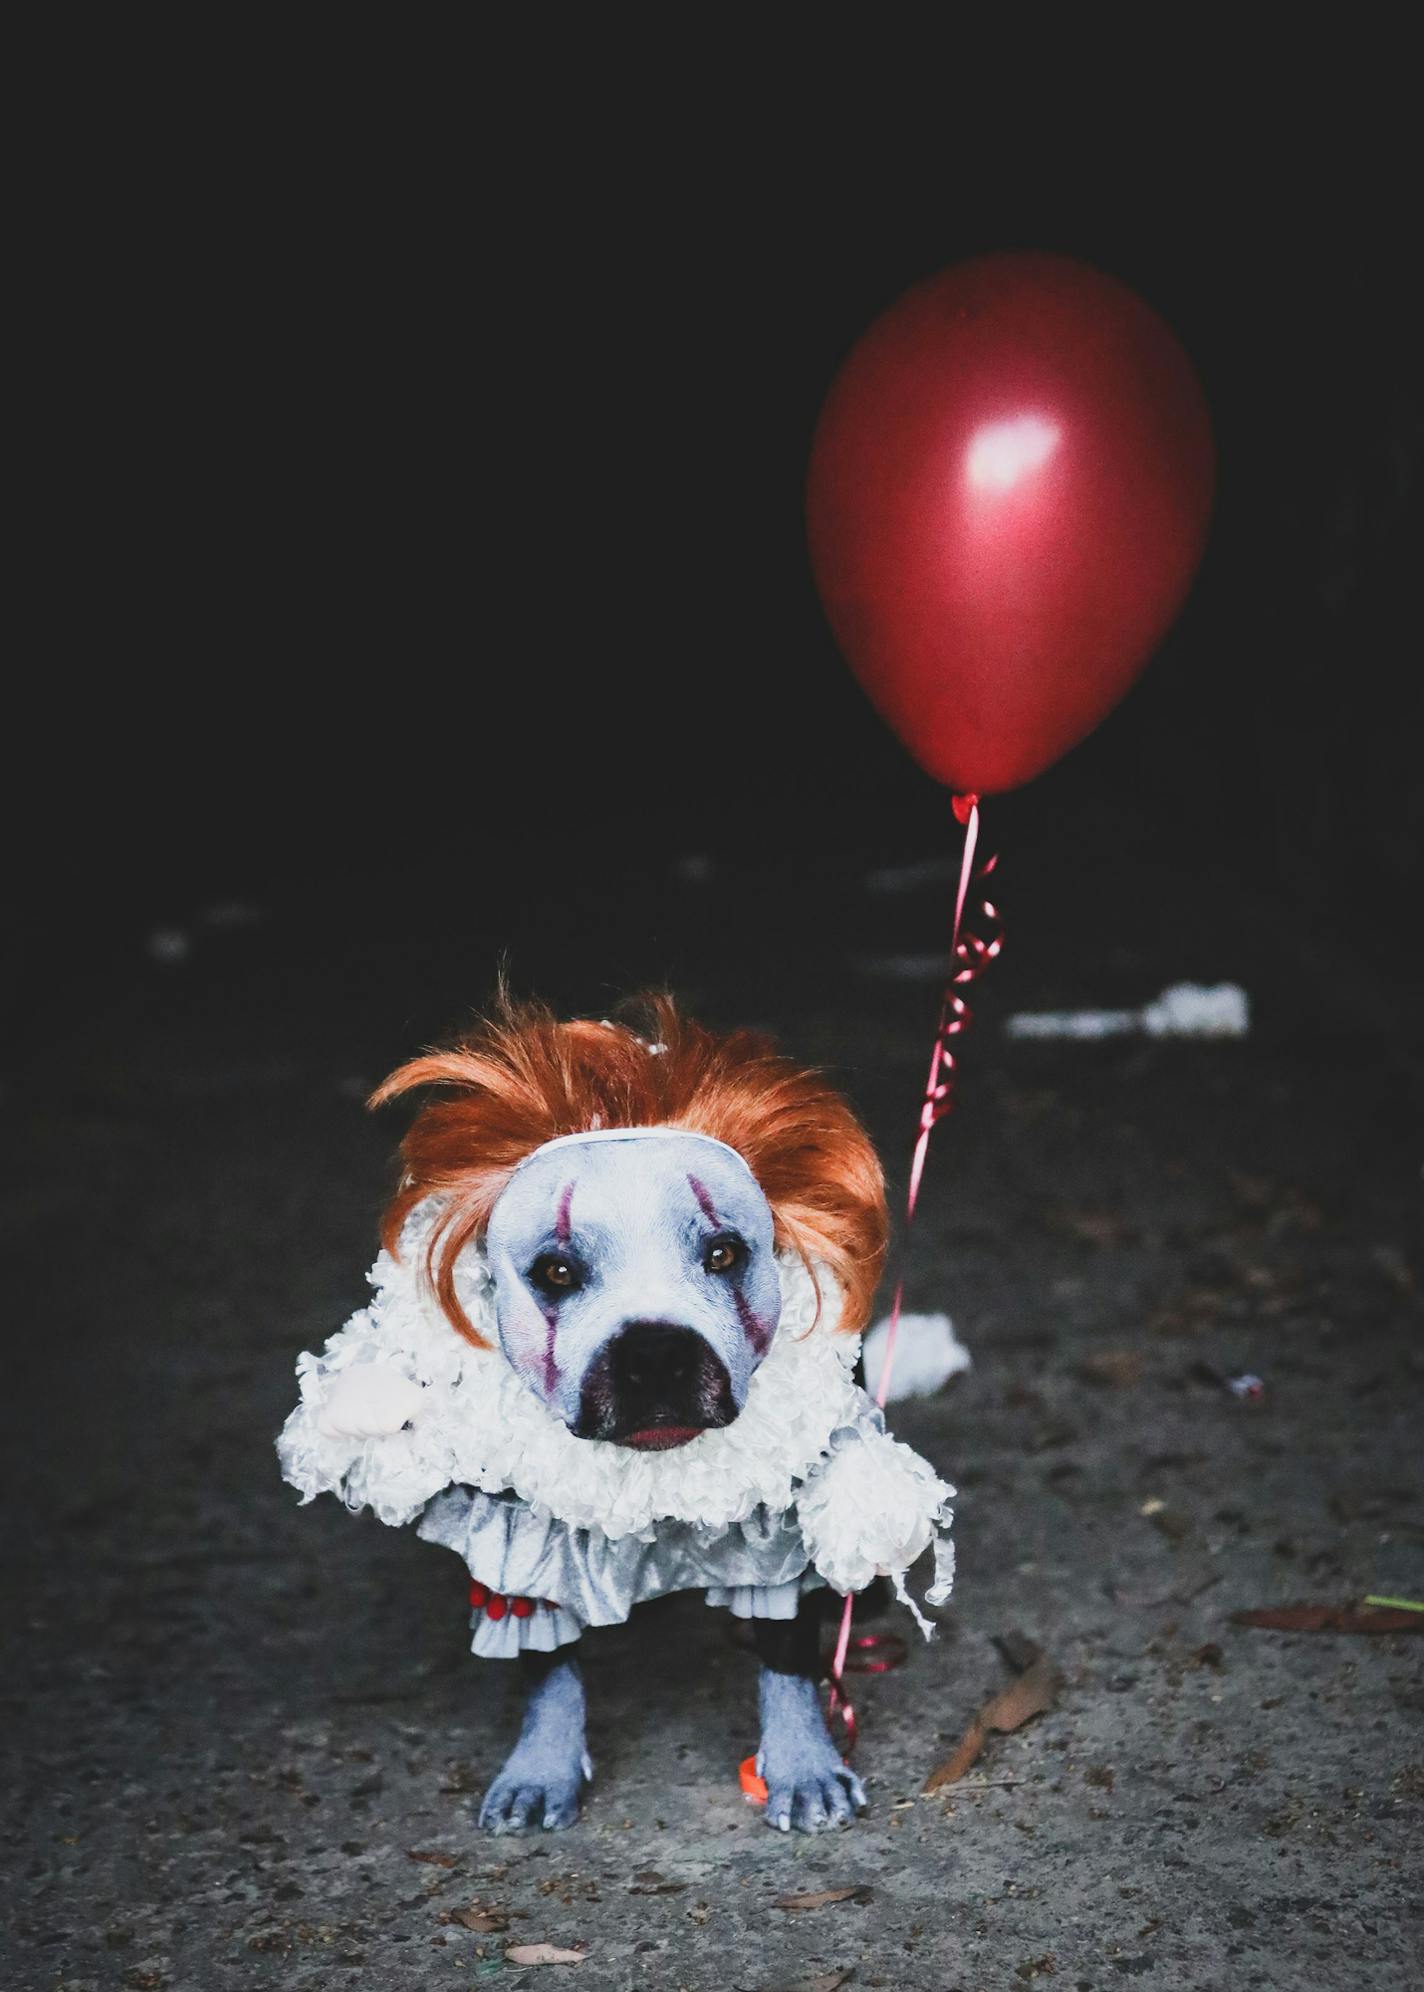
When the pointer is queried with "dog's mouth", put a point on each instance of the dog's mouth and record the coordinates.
(662, 1438)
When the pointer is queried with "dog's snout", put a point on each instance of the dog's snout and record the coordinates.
(654, 1383)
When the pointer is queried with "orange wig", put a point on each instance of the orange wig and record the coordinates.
(523, 1077)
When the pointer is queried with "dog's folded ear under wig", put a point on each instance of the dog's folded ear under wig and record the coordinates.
(522, 1077)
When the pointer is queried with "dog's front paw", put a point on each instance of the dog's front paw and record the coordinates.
(534, 1789)
(808, 1786)
(812, 1796)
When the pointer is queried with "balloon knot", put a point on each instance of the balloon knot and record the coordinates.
(963, 806)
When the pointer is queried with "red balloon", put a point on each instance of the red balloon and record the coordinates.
(1008, 495)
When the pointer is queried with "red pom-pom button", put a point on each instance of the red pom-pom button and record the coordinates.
(496, 1606)
(521, 1608)
(478, 1595)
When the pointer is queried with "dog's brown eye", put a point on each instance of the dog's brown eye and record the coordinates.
(723, 1254)
(552, 1274)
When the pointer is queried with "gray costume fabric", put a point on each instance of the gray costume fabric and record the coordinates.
(758, 1569)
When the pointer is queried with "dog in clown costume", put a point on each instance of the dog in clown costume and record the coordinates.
(610, 1355)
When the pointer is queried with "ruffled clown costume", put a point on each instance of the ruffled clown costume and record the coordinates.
(401, 1414)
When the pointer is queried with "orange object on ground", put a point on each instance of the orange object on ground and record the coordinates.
(753, 1787)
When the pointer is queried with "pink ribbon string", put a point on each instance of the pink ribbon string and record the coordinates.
(971, 949)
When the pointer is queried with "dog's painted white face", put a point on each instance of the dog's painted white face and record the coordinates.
(635, 1285)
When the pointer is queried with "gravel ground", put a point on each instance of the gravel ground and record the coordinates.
(245, 1739)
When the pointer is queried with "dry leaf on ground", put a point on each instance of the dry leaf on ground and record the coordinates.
(1033, 1692)
(485, 1922)
(1331, 1618)
(434, 1860)
(1116, 1369)
(543, 1954)
(823, 1897)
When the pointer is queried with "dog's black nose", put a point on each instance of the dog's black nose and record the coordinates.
(651, 1354)
(654, 1384)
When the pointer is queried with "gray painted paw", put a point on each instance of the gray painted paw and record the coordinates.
(807, 1785)
(812, 1796)
(531, 1792)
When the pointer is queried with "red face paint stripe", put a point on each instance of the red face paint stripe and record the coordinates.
(753, 1327)
(552, 1372)
(704, 1202)
(562, 1227)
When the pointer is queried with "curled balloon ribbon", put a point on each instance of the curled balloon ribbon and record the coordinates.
(976, 939)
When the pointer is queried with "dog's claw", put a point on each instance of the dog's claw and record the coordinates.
(513, 1805)
(538, 1787)
(815, 1803)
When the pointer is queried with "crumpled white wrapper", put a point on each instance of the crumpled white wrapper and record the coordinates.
(927, 1354)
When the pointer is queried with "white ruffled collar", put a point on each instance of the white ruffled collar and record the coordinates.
(480, 1425)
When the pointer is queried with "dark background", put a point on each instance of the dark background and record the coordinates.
(427, 493)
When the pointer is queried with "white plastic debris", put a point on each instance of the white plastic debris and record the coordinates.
(169, 945)
(1187, 1009)
(927, 1354)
